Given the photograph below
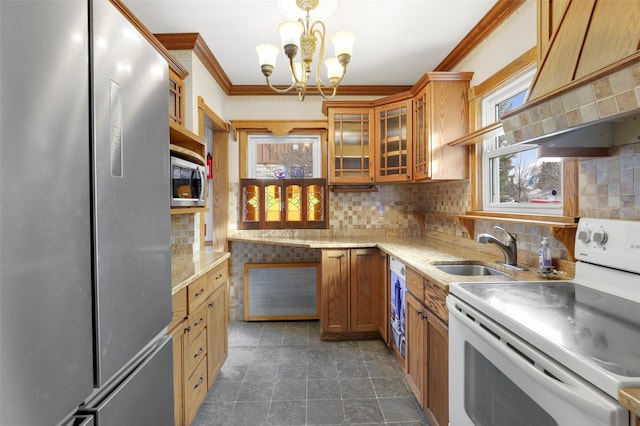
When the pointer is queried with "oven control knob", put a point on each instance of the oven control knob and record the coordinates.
(600, 237)
(584, 235)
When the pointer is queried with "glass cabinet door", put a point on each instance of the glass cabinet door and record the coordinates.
(421, 158)
(394, 140)
(350, 130)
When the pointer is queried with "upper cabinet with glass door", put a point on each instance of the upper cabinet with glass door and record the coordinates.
(393, 135)
(350, 145)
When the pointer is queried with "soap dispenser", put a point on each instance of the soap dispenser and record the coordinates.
(544, 256)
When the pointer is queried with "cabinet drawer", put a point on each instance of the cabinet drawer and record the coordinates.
(217, 276)
(434, 300)
(196, 352)
(197, 293)
(415, 284)
(178, 308)
(195, 390)
(197, 323)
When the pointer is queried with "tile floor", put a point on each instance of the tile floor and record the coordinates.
(281, 373)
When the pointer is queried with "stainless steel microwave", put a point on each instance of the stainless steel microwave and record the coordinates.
(187, 183)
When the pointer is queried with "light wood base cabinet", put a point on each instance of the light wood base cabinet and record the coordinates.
(427, 356)
(351, 303)
(199, 331)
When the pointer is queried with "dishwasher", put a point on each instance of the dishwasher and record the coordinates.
(398, 281)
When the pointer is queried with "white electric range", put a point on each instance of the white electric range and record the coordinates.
(551, 352)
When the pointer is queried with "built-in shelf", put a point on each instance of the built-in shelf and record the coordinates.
(479, 135)
(187, 154)
(184, 142)
(188, 210)
(563, 228)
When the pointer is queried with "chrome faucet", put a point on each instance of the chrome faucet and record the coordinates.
(509, 248)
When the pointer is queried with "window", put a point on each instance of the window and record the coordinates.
(514, 179)
(296, 156)
(284, 188)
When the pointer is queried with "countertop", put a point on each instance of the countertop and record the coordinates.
(186, 268)
(419, 253)
(630, 399)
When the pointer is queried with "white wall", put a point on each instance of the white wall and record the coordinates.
(513, 38)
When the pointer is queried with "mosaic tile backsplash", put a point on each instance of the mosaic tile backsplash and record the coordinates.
(617, 93)
(608, 188)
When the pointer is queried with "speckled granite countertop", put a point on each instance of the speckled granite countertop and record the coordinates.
(419, 253)
(186, 268)
(630, 399)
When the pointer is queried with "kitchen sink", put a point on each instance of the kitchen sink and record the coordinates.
(468, 269)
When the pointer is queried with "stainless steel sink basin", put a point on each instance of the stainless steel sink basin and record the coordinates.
(469, 270)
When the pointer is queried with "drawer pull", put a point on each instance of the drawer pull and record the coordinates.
(197, 323)
(218, 277)
(199, 293)
(199, 382)
(199, 353)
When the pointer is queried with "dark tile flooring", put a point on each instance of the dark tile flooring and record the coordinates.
(281, 373)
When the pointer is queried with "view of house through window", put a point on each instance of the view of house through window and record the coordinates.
(294, 157)
(514, 179)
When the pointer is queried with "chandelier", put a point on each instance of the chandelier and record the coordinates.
(305, 35)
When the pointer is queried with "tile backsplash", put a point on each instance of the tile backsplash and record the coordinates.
(608, 188)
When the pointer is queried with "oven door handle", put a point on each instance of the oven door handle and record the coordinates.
(545, 372)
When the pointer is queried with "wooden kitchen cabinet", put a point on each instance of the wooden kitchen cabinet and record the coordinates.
(384, 299)
(436, 391)
(394, 141)
(415, 335)
(176, 98)
(351, 289)
(199, 329)
(427, 343)
(441, 114)
(351, 153)
(218, 320)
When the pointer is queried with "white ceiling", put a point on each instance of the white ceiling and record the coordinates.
(396, 40)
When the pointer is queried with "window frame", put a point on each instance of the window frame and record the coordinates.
(490, 151)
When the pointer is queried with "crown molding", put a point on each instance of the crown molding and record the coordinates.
(194, 42)
(502, 10)
(264, 90)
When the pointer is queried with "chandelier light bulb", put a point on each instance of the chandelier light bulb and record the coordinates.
(334, 69)
(290, 32)
(343, 42)
(267, 54)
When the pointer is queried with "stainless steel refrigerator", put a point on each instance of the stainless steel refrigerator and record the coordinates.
(85, 274)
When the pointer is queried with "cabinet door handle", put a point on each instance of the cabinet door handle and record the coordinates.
(197, 323)
(199, 382)
(199, 353)
(187, 329)
(218, 277)
(199, 293)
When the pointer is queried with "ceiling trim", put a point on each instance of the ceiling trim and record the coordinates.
(492, 20)
(193, 41)
(164, 52)
(251, 90)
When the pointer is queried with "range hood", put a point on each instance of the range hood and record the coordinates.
(586, 92)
